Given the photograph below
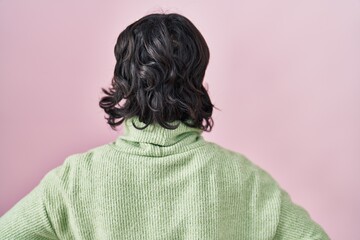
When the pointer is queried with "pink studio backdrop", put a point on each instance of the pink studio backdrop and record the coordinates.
(285, 75)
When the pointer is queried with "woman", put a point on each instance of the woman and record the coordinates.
(160, 179)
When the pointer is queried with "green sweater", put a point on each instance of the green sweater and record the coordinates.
(158, 183)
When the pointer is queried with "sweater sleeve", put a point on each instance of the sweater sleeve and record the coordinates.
(28, 218)
(295, 222)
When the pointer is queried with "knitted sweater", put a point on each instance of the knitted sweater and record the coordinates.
(158, 183)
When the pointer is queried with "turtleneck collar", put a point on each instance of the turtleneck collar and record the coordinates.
(156, 140)
(155, 133)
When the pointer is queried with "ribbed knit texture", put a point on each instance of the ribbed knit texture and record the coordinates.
(158, 183)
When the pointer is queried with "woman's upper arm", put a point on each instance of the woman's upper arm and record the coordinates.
(28, 218)
(296, 223)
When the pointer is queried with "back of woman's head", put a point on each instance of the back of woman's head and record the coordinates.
(161, 61)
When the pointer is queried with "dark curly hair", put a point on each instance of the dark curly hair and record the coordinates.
(161, 61)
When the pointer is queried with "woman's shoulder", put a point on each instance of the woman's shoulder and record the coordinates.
(75, 165)
(238, 160)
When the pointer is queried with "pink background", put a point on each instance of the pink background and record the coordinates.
(285, 74)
